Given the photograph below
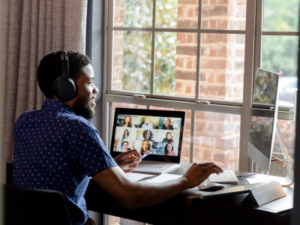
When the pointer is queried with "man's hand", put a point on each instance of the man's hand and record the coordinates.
(128, 160)
(199, 172)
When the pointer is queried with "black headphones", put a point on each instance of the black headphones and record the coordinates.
(64, 87)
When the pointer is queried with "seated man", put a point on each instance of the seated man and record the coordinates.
(57, 148)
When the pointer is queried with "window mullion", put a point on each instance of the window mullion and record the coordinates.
(192, 136)
(248, 74)
(153, 48)
(198, 50)
(258, 36)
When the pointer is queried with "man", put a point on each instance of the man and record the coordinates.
(147, 124)
(58, 148)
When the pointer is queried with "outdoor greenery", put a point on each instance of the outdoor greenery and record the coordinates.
(279, 53)
(137, 47)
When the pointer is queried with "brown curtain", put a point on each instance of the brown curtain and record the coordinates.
(33, 28)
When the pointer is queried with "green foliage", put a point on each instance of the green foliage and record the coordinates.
(137, 61)
(279, 53)
(137, 47)
(281, 15)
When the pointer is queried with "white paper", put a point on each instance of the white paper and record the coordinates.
(164, 177)
(264, 178)
(138, 176)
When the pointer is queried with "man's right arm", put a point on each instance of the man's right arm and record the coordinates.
(138, 194)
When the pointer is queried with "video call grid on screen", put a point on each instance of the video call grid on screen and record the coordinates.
(162, 132)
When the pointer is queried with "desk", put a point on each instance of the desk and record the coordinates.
(185, 209)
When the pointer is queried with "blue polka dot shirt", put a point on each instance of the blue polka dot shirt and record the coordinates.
(55, 149)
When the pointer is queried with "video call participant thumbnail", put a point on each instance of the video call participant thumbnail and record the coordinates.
(126, 134)
(127, 122)
(147, 124)
(147, 136)
(168, 138)
(145, 147)
(124, 146)
(169, 150)
(167, 124)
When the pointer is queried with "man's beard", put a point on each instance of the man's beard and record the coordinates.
(81, 108)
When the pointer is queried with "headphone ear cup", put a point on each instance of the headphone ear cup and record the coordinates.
(64, 89)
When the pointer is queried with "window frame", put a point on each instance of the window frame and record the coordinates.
(253, 35)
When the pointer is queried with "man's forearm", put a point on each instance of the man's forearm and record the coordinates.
(146, 194)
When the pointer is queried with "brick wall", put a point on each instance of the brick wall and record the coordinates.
(217, 135)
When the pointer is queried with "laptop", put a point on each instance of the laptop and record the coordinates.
(156, 133)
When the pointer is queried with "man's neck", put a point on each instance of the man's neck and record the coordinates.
(69, 104)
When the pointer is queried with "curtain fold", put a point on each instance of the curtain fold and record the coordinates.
(33, 28)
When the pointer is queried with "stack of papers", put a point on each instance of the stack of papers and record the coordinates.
(163, 178)
(138, 176)
(264, 178)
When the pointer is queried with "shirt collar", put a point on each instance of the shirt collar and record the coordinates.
(57, 105)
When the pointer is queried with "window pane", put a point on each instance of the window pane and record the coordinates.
(132, 61)
(224, 14)
(217, 139)
(177, 14)
(185, 154)
(222, 66)
(279, 55)
(175, 63)
(281, 15)
(133, 13)
(287, 129)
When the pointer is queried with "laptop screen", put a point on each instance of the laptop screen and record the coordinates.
(160, 132)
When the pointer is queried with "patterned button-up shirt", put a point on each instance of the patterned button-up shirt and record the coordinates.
(55, 149)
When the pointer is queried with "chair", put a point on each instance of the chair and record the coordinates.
(34, 206)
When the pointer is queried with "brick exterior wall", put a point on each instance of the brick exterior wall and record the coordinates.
(217, 135)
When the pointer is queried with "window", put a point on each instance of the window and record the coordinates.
(279, 40)
(200, 56)
(177, 54)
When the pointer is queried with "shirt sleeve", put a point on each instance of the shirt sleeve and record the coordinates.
(89, 150)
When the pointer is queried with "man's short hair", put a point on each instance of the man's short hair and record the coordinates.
(50, 69)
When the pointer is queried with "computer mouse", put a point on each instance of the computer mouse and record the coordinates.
(210, 187)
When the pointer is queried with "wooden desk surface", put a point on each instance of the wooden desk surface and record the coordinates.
(186, 209)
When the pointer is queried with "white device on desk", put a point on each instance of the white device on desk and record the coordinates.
(157, 134)
(263, 121)
(227, 177)
(264, 125)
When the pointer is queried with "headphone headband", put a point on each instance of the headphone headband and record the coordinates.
(64, 64)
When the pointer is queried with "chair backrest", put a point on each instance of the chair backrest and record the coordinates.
(34, 206)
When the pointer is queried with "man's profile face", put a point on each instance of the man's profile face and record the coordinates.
(84, 102)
